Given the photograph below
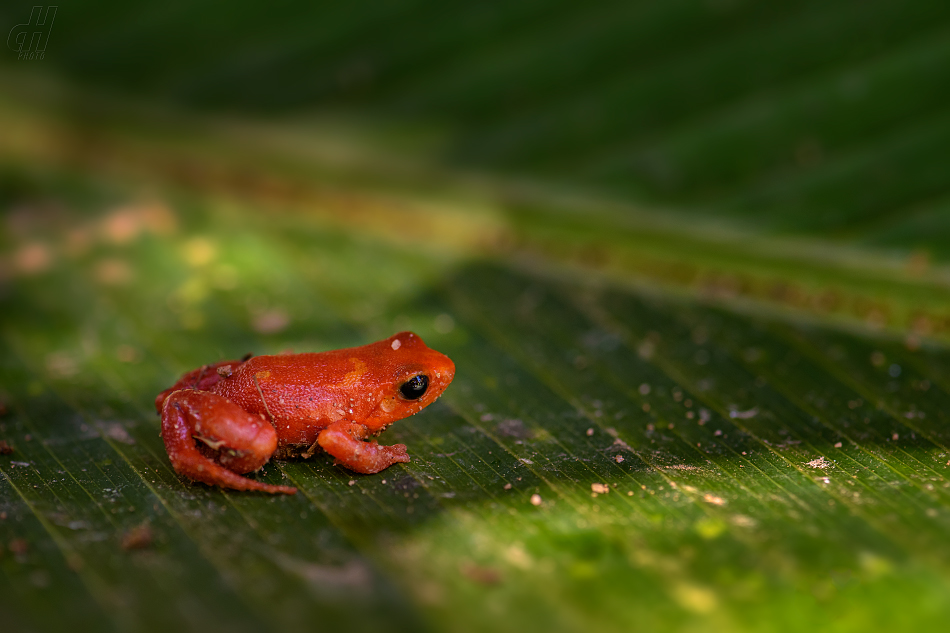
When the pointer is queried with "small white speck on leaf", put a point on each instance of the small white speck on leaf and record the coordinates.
(819, 462)
(535, 499)
(744, 415)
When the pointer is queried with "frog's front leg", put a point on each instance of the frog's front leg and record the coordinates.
(345, 441)
(211, 439)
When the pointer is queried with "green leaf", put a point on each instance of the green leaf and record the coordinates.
(609, 455)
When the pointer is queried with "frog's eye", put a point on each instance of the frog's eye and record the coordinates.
(415, 387)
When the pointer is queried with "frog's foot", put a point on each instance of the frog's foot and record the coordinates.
(210, 439)
(345, 441)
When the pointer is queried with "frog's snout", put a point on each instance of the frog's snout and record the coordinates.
(444, 371)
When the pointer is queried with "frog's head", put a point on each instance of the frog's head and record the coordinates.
(410, 377)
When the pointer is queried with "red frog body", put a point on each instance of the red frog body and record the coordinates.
(221, 420)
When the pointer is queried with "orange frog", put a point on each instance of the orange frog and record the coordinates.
(231, 417)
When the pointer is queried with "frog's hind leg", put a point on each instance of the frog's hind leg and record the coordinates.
(201, 379)
(211, 439)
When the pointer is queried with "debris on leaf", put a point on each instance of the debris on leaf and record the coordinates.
(481, 575)
(139, 537)
(115, 431)
(5, 449)
(744, 415)
(513, 428)
(271, 322)
(743, 521)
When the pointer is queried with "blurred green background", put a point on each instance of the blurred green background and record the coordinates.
(827, 118)
(689, 257)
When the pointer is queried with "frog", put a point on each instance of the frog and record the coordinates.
(229, 418)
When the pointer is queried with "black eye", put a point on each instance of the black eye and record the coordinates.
(415, 387)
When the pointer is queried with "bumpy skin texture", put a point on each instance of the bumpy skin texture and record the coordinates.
(229, 418)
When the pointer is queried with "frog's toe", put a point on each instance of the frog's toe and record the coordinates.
(397, 453)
